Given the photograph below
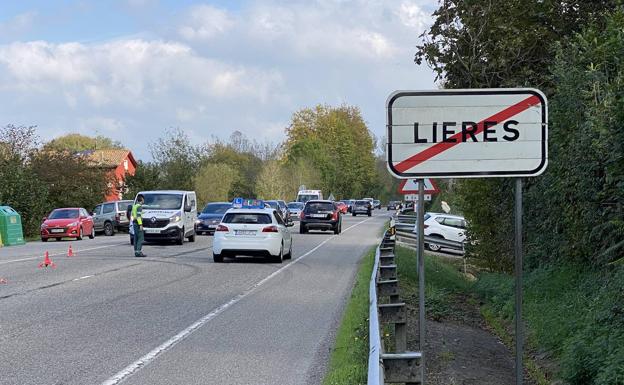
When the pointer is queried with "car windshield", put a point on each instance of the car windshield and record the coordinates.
(163, 201)
(216, 208)
(315, 207)
(64, 214)
(295, 205)
(247, 218)
(306, 197)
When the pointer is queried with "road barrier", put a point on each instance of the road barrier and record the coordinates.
(405, 231)
(386, 308)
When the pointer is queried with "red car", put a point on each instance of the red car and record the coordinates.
(342, 207)
(67, 223)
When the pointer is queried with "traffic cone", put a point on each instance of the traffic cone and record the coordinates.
(47, 262)
(70, 252)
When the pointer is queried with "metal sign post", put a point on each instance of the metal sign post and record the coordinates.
(518, 272)
(421, 277)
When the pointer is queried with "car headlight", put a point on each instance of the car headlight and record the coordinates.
(43, 225)
(175, 218)
(73, 224)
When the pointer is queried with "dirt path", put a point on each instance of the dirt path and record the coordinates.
(459, 349)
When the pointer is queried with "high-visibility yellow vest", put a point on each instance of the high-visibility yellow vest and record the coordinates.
(137, 214)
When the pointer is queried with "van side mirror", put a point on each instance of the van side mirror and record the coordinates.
(187, 209)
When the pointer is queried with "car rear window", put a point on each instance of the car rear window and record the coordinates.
(123, 205)
(361, 203)
(315, 207)
(247, 218)
(295, 205)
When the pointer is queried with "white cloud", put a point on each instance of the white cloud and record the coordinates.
(204, 22)
(413, 16)
(129, 72)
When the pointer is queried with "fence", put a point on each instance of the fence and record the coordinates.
(400, 366)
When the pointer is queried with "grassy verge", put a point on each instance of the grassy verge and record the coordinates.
(349, 359)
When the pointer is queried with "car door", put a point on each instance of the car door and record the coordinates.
(454, 229)
(283, 229)
(98, 221)
(86, 221)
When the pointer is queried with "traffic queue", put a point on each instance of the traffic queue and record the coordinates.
(250, 227)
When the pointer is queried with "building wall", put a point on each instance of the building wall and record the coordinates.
(119, 175)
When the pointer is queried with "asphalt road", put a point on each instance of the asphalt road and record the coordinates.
(175, 317)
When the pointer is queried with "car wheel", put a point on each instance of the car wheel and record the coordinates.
(192, 238)
(58, 239)
(92, 235)
(109, 230)
(280, 257)
(180, 240)
(217, 258)
(44, 239)
(434, 246)
(79, 235)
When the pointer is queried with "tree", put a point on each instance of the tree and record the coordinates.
(146, 177)
(78, 142)
(177, 159)
(338, 144)
(214, 182)
(272, 182)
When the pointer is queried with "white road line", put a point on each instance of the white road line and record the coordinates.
(61, 253)
(85, 277)
(149, 357)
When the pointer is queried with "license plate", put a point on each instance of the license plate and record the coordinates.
(57, 231)
(212, 226)
(245, 232)
(152, 231)
(318, 215)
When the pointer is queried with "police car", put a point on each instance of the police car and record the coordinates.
(249, 228)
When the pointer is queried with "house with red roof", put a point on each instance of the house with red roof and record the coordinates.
(120, 162)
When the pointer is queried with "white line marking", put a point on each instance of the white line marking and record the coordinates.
(85, 277)
(149, 357)
(59, 254)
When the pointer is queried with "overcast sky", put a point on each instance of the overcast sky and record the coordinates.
(130, 69)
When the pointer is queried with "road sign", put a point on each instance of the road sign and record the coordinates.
(410, 186)
(467, 133)
(414, 197)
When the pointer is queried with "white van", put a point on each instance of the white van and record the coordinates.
(306, 195)
(169, 215)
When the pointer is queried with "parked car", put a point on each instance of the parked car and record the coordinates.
(320, 215)
(294, 208)
(342, 207)
(109, 217)
(211, 216)
(362, 207)
(70, 222)
(444, 226)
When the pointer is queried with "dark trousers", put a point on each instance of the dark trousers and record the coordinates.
(138, 238)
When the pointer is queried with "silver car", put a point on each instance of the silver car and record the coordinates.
(295, 209)
(110, 217)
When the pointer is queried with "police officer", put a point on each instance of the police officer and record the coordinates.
(137, 225)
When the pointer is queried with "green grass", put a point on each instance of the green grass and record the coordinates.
(349, 359)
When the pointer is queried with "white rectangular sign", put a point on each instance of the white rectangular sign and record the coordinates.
(467, 133)
(414, 197)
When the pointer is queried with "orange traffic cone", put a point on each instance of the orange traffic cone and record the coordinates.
(47, 262)
(70, 252)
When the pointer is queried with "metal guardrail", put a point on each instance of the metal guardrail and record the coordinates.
(400, 366)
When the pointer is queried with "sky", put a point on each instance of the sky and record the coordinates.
(132, 69)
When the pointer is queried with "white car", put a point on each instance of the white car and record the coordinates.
(252, 231)
(445, 226)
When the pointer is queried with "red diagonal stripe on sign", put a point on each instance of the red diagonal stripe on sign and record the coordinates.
(443, 146)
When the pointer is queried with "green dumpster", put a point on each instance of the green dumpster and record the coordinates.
(10, 227)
